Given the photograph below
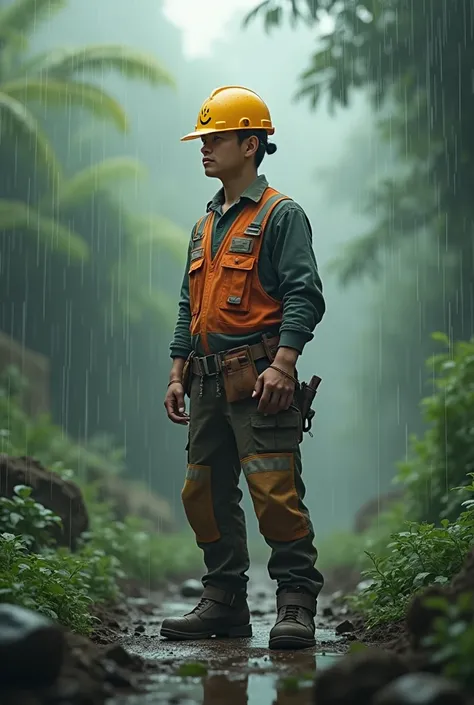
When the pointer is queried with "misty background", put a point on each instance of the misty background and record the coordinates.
(115, 381)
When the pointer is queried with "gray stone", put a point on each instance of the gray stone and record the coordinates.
(191, 588)
(345, 627)
(31, 647)
(420, 689)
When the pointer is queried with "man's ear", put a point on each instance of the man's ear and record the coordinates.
(251, 145)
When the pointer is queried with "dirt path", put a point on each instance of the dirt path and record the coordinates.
(237, 671)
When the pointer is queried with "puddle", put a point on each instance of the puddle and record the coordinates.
(238, 671)
(276, 687)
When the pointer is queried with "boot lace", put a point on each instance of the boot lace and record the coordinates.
(203, 602)
(291, 613)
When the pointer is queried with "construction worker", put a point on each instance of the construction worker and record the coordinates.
(250, 300)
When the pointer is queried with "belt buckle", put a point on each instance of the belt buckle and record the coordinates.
(204, 364)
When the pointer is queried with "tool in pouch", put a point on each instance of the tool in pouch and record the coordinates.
(240, 375)
(304, 396)
(304, 391)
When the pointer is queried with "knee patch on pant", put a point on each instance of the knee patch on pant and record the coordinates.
(198, 506)
(271, 481)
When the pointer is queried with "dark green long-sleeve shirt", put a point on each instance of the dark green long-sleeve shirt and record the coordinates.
(287, 270)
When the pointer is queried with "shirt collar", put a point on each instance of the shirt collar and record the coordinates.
(254, 192)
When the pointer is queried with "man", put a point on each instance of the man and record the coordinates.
(250, 300)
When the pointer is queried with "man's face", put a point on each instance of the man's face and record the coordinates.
(223, 155)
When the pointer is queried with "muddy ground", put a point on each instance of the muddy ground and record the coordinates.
(238, 671)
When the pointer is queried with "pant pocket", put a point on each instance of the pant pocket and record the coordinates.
(198, 506)
(276, 432)
(271, 481)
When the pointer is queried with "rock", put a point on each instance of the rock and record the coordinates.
(328, 612)
(121, 656)
(369, 511)
(464, 581)
(420, 689)
(63, 497)
(420, 618)
(131, 497)
(31, 647)
(345, 627)
(357, 677)
(191, 588)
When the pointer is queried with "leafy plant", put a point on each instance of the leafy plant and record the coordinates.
(444, 456)
(24, 517)
(192, 670)
(422, 555)
(58, 584)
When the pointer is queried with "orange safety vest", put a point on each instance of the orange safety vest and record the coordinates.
(226, 295)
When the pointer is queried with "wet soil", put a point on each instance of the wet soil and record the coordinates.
(238, 671)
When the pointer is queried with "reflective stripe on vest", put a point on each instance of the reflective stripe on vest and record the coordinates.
(226, 295)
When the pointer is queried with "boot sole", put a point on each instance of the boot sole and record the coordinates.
(244, 631)
(290, 643)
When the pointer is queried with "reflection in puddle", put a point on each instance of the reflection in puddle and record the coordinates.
(276, 687)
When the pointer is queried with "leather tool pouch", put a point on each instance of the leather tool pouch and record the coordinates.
(239, 373)
(187, 374)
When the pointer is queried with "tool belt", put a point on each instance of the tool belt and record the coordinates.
(239, 375)
(212, 365)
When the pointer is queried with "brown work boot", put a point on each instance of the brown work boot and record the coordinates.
(219, 613)
(294, 626)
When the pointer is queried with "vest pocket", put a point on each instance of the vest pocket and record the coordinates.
(236, 282)
(195, 285)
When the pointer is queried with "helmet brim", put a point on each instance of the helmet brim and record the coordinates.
(200, 133)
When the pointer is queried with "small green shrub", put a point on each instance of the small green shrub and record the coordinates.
(422, 555)
(22, 516)
(58, 584)
(441, 459)
(36, 574)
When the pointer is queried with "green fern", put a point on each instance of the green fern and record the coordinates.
(83, 185)
(65, 94)
(24, 15)
(155, 231)
(64, 63)
(16, 121)
(15, 215)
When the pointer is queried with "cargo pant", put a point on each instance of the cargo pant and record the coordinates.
(227, 439)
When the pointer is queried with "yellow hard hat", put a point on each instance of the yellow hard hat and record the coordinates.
(231, 108)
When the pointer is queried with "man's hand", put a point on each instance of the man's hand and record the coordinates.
(276, 390)
(175, 405)
(174, 400)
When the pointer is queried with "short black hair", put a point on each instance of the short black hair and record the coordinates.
(264, 146)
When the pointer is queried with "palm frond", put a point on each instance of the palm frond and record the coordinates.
(157, 233)
(64, 63)
(17, 121)
(137, 299)
(65, 94)
(96, 177)
(16, 215)
(21, 16)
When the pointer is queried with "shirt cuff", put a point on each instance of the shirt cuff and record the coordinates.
(293, 339)
(180, 352)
